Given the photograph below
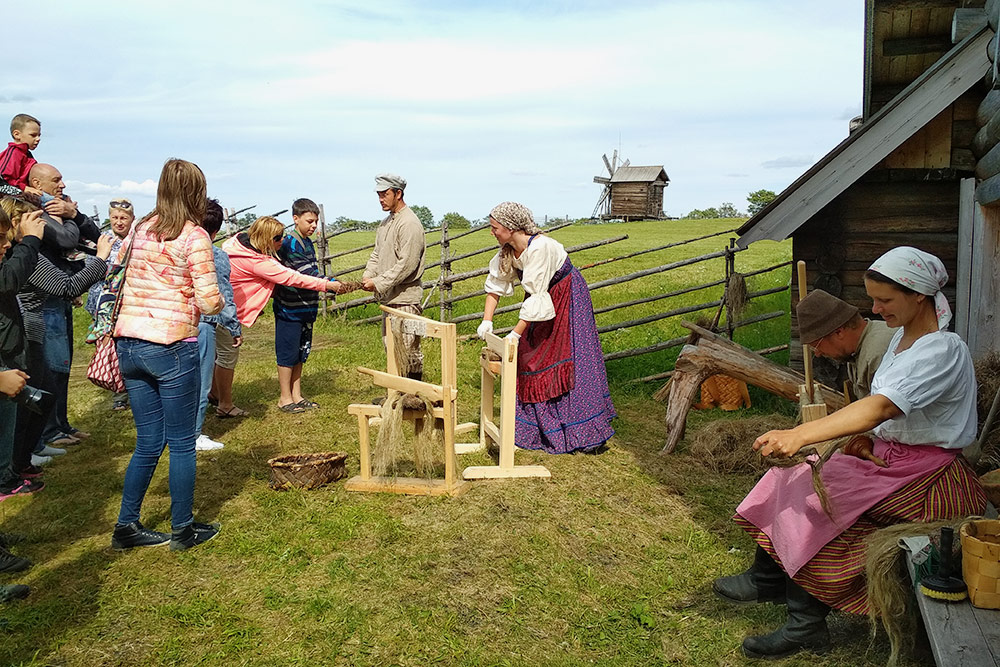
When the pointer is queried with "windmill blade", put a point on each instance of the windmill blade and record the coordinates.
(614, 162)
(624, 164)
(604, 197)
(611, 172)
(601, 179)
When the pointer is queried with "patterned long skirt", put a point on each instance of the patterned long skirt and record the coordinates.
(580, 418)
(836, 575)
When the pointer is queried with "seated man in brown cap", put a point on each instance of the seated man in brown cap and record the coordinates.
(835, 329)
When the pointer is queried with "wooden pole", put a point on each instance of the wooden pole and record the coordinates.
(322, 253)
(806, 352)
(443, 285)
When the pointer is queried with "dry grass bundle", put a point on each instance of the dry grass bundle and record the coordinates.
(988, 378)
(736, 296)
(725, 445)
(890, 597)
(390, 443)
(352, 285)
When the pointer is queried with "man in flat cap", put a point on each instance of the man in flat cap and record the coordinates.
(396, 265)
(835, 329)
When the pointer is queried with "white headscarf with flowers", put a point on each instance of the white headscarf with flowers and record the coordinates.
(920, 271)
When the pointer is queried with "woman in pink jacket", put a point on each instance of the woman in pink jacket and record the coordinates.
(169, 282)
(255, 272)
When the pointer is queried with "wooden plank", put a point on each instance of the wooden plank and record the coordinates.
(405, 384)
(984, 327)
(953, 630)
(496, 472)
(411, 486)
(937, 149)
(924, 99)
(882, 27)
(914, 48)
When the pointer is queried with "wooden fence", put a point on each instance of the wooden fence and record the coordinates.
(446, 299)
(444, 285)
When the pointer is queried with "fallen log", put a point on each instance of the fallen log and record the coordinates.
(711, 354)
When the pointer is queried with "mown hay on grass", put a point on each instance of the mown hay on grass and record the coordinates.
(726, 445)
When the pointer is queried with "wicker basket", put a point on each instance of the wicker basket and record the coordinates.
(981, 562)
(306, 471)
(991, 484)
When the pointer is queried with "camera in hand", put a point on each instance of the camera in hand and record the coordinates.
(38, 401)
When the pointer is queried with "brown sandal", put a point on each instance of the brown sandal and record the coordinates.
(230, 413)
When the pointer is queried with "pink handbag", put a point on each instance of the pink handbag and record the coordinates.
(104, 370)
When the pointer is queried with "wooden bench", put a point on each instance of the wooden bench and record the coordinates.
(960, 635)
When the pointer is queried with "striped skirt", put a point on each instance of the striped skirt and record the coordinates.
(836, 575)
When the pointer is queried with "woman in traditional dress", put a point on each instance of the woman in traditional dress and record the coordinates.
(563, 403)
(922, 411)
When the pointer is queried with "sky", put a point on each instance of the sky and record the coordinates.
(473, 103)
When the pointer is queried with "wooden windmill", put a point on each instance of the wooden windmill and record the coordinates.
(603, 207)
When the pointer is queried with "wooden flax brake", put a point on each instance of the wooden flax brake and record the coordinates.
(444, 395)
(502, 434)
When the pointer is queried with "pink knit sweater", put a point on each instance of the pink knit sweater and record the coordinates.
(254, 276)
(168, 285)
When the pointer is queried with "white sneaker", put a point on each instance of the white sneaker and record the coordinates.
(206, 444)
(49, 450)
(37, 460)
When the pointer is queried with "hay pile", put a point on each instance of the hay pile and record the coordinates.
(988, 378)
(726, 445)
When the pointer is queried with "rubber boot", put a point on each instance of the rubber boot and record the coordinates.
(805, 628)
(764, 581)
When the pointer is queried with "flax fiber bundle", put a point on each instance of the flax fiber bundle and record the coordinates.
(390, 442)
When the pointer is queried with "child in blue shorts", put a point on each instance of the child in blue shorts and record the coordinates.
(295, 309)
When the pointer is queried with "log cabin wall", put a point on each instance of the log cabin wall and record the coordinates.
(885, 209)
(629, 200)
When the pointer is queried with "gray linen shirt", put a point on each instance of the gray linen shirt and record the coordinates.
(396, 265)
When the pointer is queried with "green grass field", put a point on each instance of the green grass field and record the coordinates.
(609, 563)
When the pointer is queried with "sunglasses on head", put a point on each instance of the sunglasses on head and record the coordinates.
(121, 204)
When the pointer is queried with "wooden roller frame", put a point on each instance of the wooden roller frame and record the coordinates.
(502, 434)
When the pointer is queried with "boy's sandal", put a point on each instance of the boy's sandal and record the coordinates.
(292, 407)
(307, 404)
(230, 413)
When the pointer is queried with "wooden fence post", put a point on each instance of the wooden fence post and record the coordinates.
(730, 270)
(322, 252)
(444, 287)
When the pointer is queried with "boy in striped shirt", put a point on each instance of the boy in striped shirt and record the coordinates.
(294, 308)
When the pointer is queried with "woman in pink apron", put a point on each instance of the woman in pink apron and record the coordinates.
(922, 412)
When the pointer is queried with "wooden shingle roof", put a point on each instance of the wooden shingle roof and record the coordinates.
(640, 175)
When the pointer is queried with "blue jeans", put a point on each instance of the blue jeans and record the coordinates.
(206, 360)
(162, 383)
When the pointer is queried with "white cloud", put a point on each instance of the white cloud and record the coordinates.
(787, 162)
(147, 188)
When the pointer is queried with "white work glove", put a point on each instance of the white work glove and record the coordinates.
(485, 327)
(514, 336)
